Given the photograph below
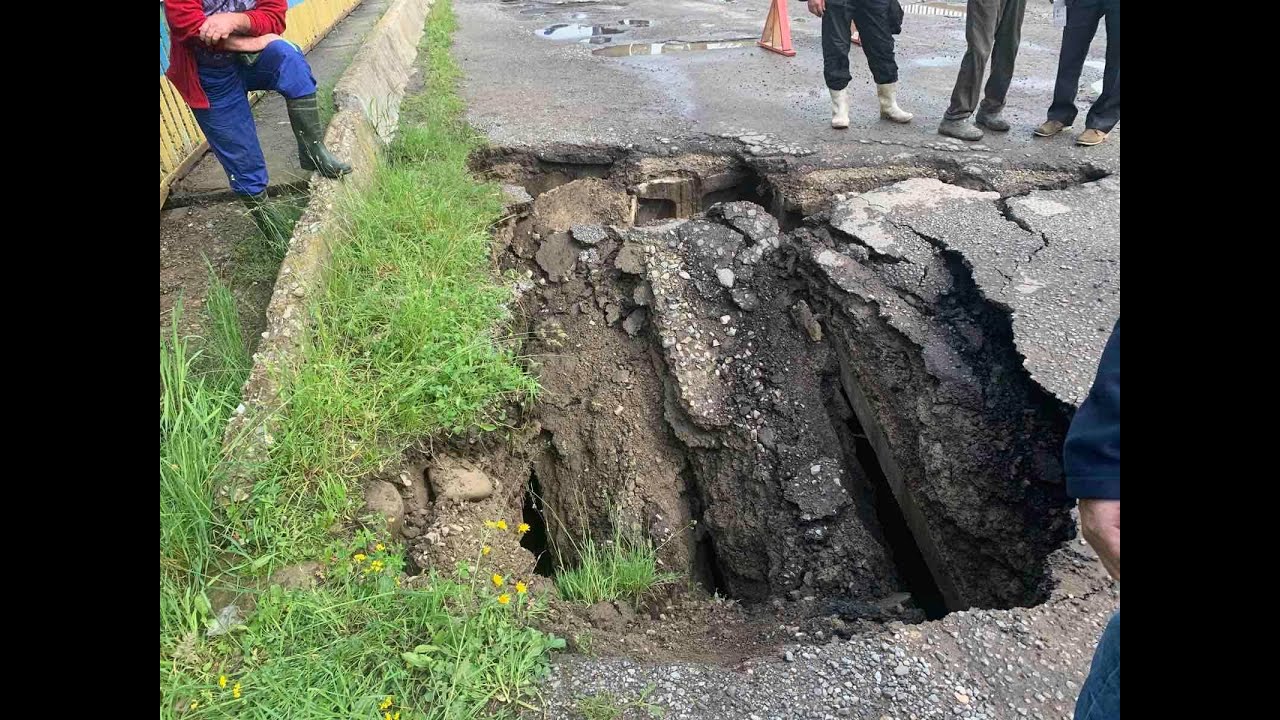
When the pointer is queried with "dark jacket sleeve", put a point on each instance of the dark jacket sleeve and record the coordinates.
(1092, 452)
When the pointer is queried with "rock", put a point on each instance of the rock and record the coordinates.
(557, 256)
(589, 201)
(789, 656)
(516, 199)
(643, 294)
(383, 500)
(227, 619)
(588, 234)
(630, 259)
(456, 479)
(635, 321)
(747, 218)
(302, 576)
(605, 616)
(611, 313)
(805, 317)
(625, 611)
(901, 670)
(745, 299)
(725, 277)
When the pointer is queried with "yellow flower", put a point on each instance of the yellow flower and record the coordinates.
(497, 580)
(359, 557)
(379, 547)
(195, 704)
(504, 599)
(376, 566)
(235, 691)
(501, 524)
(387, 716)
(396, 716)
(486, 550)
(521, 588)
(490, 524)
(222, 681)
(386, 703)
(522, 528)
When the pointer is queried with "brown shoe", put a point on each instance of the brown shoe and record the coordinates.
(1091, 137)
(1050, 128)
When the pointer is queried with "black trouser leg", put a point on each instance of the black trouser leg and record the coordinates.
(1105, 112)
(835, 45)
(1082, 24)
(872, 17)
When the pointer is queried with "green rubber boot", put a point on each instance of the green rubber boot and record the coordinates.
(304, 116)
(268, 218)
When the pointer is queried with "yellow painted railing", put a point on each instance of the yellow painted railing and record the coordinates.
(181, 143)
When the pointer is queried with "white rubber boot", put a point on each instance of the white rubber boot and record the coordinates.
(889, 109)
(839, 108)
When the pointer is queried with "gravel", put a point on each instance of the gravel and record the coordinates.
(972, 665)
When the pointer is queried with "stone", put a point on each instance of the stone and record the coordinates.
(557, 256)
(588, 234)
(725, 277)
(456, 479)
(630, 259)
(302, 576)
(381, 499)
(635, 321)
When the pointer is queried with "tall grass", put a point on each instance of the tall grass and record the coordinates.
(624, 567)
(401, 345)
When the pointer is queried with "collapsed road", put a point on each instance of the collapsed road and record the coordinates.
(829, 374)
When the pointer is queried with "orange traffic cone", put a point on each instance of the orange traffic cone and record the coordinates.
(777, 30)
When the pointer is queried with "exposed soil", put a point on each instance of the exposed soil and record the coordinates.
(811, 411)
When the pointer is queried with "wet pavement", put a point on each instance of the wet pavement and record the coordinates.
(674, 81)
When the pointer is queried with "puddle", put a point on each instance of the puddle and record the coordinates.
(673, 47)
(576, 31)
(936, 7)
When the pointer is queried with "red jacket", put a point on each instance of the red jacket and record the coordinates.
(185, 18)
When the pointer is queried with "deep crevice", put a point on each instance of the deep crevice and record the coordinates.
(536, 540)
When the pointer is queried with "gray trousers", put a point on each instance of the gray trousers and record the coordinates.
(993, 29)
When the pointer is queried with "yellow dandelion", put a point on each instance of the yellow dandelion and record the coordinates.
(486, 550)
(235, 691)
(501, 524)
(504, 598)
(521, 588)
(388, 702)
(497, 580)
(522, 528)
(379, 547)
(359, 557)
(222, 681)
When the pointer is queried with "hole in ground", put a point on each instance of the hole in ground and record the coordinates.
(536, 541)
(907, 557)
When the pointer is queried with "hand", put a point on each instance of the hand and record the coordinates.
(219, 27)
(1100, 524)
(817, 7)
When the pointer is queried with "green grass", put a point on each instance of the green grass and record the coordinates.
(607, 706)
(404, 346)
(624, 567)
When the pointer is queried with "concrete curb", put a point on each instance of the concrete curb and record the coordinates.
(368, 97)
